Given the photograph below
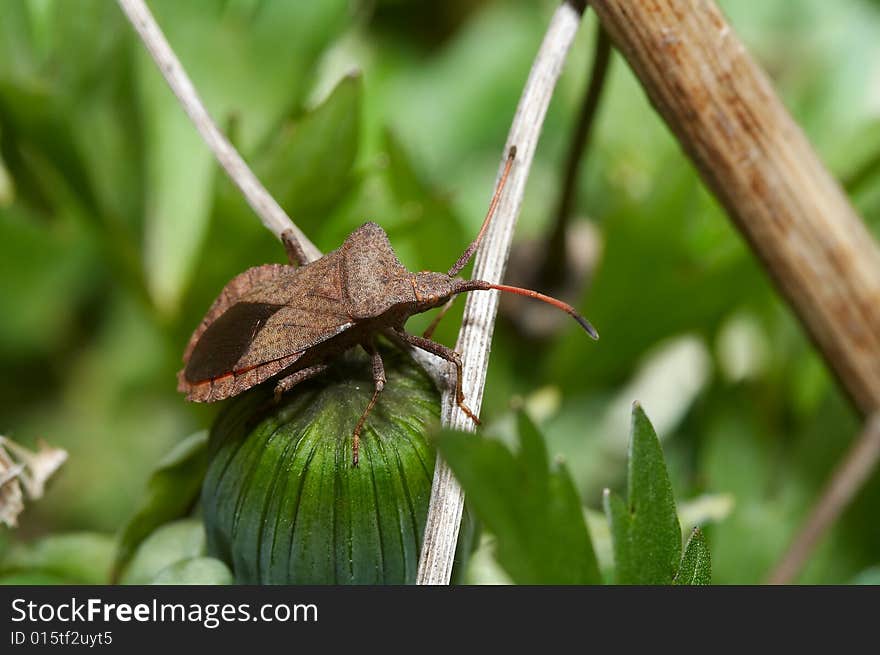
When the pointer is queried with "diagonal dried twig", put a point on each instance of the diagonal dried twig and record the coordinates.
(553, 268)
(850, 475)
(475, 338)
(264, 205)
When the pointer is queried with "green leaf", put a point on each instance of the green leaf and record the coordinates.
(692, 236)
(645, 528)
(173, 542)
(250, 65)
(78, 558)
(172, 490)
(16, 40)
(620, 527)
(533, 509)
(708, 508)
(426, 215)
(40, 146)
(255, 63)
(44, 262)
(195, 571)
(696, 564)
(180, 173)
(308, 165)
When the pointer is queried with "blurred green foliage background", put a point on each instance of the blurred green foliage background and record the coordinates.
(117, 230)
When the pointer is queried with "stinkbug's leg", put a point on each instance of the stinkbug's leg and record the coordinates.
(450, 356)
(293, 247)
(379, 382)
(287, 383)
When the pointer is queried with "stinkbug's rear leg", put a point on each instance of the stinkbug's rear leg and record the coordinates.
(379, 382)
(450, 356)
(295, 253)
(287, 383)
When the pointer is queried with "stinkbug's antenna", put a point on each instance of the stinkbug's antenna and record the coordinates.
(480, 285)
(469, 251)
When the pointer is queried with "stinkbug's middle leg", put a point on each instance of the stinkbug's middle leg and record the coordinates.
(379, 384)
(450, 356)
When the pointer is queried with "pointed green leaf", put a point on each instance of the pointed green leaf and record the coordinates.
(620, 528)
(533, 510)
(532, 450)
(254, 62)
(308, 166)
(172, 490)
(708, 508)
(426, 215)
(647, 540)
(180, 173)
(696, 564)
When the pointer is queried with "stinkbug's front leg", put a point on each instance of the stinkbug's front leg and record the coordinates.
(379, 384)
(450, 356)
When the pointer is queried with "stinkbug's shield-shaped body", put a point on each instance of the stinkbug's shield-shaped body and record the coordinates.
(276, 318)
(289, 322)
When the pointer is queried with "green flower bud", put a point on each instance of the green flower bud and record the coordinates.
(283, 503)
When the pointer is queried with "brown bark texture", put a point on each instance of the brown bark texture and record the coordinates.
(756, 160)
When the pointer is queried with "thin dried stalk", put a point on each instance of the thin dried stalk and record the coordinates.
(553, 269)
(264, 205)
(852, 472)
(475, 338)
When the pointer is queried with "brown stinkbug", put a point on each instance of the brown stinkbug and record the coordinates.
(289, 322)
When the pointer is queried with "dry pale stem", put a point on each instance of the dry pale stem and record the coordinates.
(849, 476)
(475, 338)
(553, 268)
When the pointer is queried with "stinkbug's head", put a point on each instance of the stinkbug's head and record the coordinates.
(433, 289)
